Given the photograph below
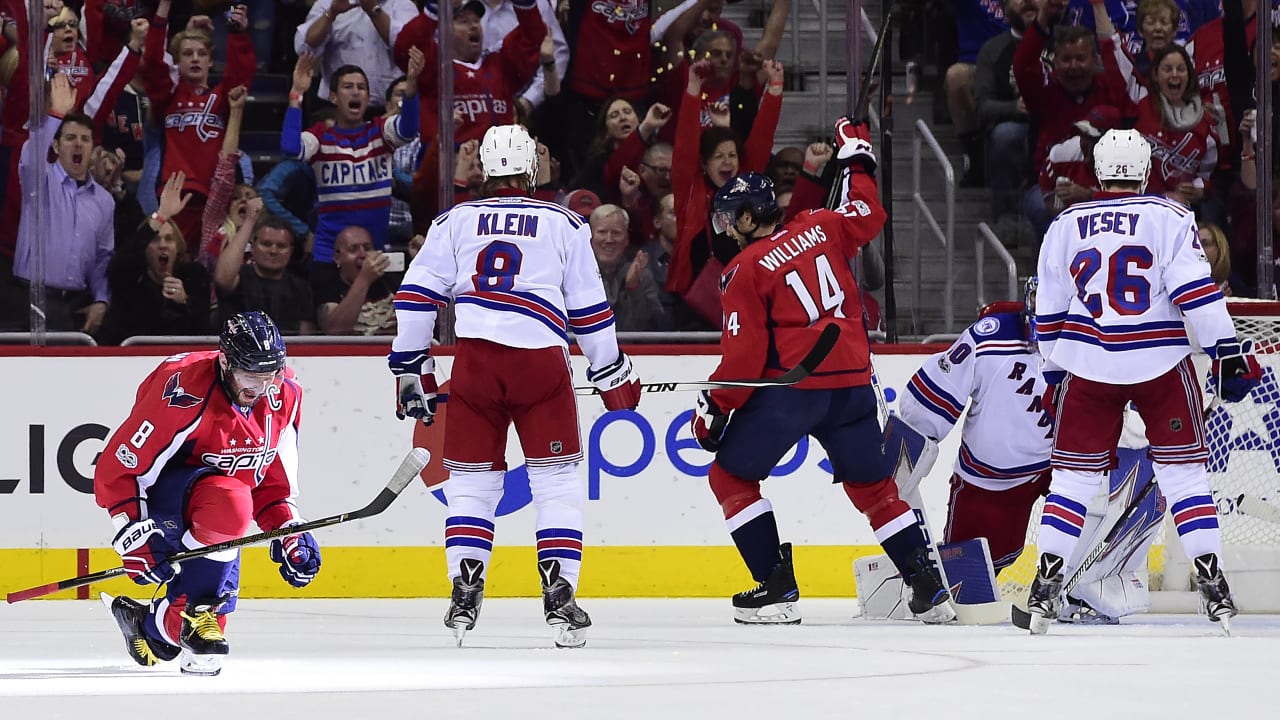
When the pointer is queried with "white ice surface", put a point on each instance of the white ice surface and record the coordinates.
(650, 659)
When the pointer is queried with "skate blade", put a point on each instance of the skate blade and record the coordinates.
(459, 632)
(1224, 624)
(207, 665)
(1039, 624)
(785, 613)
(567, 637)
(106, 601)
(941, 613)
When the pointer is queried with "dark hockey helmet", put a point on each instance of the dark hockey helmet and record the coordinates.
(748, 191)
(250, 341)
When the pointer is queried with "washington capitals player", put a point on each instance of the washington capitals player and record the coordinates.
(211, 445)
(1118, 277)
(521, 274)
(786, 285)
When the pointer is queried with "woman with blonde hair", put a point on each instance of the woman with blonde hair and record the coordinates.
(1218, 252)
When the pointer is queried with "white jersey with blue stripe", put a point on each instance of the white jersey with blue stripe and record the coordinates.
(520, 272)
(1007, 436)
(1117, 278)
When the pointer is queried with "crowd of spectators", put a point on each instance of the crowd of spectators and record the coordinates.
(153, 222)
(1037, 82)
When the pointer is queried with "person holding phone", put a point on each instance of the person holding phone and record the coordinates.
(354, 294)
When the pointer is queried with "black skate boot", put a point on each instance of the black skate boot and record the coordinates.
(1045, 602)
(468, 594)
(203, 644)
(930, 600)
(772, 602)
(129, 615)
(1080, 612)
(569, 621)
(1214, 593)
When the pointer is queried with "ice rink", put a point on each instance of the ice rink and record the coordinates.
(650, 659)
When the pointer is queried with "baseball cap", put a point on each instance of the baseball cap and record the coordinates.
(582, 202)
(474, 6)
(1099, 120)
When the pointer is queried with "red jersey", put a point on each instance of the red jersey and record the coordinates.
(1177, 156)
(194, 118)
(781, 291)
(609, 49)
(485, 91)
(183, 417)
(1066, 160)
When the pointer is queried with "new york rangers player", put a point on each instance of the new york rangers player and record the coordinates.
(1118, 279)
(778, 294)
(210, 445)
(521, 275)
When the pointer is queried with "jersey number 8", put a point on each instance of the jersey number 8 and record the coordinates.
(497, 266)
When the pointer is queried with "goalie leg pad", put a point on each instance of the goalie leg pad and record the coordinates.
(912, 454)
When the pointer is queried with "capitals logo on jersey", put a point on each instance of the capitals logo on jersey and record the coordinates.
(628, 13)
(177, 395)
(207, 123)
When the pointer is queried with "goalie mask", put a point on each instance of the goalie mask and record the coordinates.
(508, 150)
(747, 192)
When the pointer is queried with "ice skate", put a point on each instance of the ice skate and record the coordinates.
(468, 594)
(129, 615)
(1215, 596)
(203, 644)
(569, 621)
(1045, 602)
(772, 602)
(930, 601)
(1079, 612)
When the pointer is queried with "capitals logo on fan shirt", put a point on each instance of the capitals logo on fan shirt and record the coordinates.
(628, 13)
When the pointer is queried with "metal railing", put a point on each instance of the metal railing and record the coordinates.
(1010, 265)
(46, 338)
(824, 70)
(946, 236)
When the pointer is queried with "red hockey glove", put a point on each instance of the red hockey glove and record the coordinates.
(1235, 370)
(709, 422)
(853, 144)
(618, 383)
(139, 545)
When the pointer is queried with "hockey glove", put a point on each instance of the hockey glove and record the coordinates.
(298, 556)
(618, 383)
(139, 545)
(415, 385)
(709, 422)
(1235, 370)
(853, 145)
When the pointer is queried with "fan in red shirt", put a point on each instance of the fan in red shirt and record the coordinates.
(782, 290)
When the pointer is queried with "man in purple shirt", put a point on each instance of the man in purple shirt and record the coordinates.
(75, 233)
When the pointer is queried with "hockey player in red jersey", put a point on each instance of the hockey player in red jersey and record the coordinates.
(778, 294)
(210, 445)
(521, 273)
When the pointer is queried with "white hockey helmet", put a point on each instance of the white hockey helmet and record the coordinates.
(1122, 155)
(509, 150)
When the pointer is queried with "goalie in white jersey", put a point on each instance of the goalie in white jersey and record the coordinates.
(521, 274)
(1118, 277)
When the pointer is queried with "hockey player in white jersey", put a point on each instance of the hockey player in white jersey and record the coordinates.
(1002, 467)
(1118, 277)
(521, 274)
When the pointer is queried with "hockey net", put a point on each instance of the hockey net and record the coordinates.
(1244, 475)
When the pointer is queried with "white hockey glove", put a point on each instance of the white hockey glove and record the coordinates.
(142, 549)
(415, 385)
(618, 383)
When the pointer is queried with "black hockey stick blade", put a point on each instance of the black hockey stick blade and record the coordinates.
(810, 362)
(408, 470)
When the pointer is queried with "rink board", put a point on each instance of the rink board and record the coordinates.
(653, 527)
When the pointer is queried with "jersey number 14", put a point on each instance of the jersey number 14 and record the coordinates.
(830, 295)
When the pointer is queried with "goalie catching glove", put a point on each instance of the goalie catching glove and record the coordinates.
(415, 385)
(140, 546)
(298, 556)
(709, 422)
(1235, 370)
(618, 383)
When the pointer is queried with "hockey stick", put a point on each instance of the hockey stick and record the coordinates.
(810, 362)
(1256, 507)
(1021, 618)
(408, 470)
(831, 172)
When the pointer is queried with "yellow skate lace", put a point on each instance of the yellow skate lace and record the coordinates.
(143, 649)
(205, 624)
